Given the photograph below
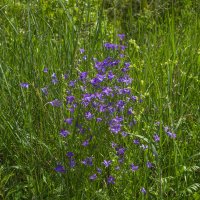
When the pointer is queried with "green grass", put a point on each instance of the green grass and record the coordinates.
(164, 51)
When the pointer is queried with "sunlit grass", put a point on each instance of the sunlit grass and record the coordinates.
(164, 54)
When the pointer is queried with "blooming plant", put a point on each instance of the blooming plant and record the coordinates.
(103, 108)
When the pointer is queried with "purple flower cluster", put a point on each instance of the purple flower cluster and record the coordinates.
(111, 180)
(59, 168)
(24, 85)
(104, 107)
(134, 167)
(88, 161)
(115, 124)
(169, 133)
(107, 163)
(56, 103)
(54, 79)
(121, 36)
(64, 133)
(114, 46)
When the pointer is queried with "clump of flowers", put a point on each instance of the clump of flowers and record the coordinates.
(102, 106)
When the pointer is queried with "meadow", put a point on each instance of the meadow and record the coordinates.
(100, 100)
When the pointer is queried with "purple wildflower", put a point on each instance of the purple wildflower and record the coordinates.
(107, 163)
(60, 169)
(45, 70)
(107, 91)
(102, 108)
(65, 76)
(134, 98)
(56, 103)
(111, 46)
(99, 119)
(121, 36)
(72, 83)
(87, 99)
(113, 145)
(130, 111)
(111, 180)
(45, 90)
(170, 134)
(64, 133)
(88, 115)
(120, 151)
(156, 138)
(126, 67)
(134, 167)
(82, 50)
(111, 109)
(93, 177)
(85, 143)
(136, 141)
(72, 162)
(157, 123)
(115, 126)
(110, 75)
(70, 154)
(120, 104)
(143, 190)
(149, 164)
(54, 79)
(84, 57)
(122, 47)
(126, 79)
(95, 104)
(24, 85)
(114, 63)
(100, 67)
(88, 161)
(127, 64)
(95, 81)
(99, 96)
(99, 170)
(71, 110)
(166, 128)
(83, 76)
(69, 121)
(124, 91)
(70, 99)
(124, 134)
(100, 77)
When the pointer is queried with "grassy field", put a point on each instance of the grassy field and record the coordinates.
(99, 100)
